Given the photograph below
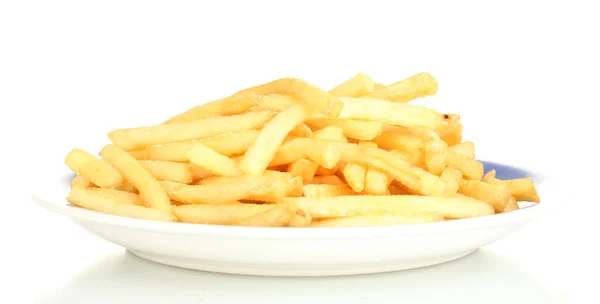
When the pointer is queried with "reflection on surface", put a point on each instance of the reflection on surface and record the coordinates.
(124, 278)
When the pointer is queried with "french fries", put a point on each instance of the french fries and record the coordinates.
(288, 154)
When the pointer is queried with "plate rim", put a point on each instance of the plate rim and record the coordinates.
(78, 215)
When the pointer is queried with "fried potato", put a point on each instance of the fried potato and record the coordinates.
(300, 219)
(303, 168)
(376, 182)
(354, 175)
(523, 189)
(276, 102)
(235, 104)
(314, 97)
(262, 151)
(322, 152)
(225, 214)
(173, 171)
(511, 205)
(210, 160)
(495, 195)
(342, 206)
(326, 180)
(378, 86)
(96, 170)
(135, 174)
(317, 191)
(469, 167)
(278, 216)
(359, 85)
(420, 85)
(452, 178)
(450, 129)
(332, 133)
(301, 130)
(466, 149)
(378, 220)
(324, 171)
(121, 197)
(135, 138)
(88, 199)
(435, 156)
(362, 130)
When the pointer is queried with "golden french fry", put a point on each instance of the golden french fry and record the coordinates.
(450, 129)
(420, 85)
(135, 138)
(135, 174)
(435, 156)
(121, 197)
(362, 130)
(393, 113)
(301, 130)
(523, 189)
(321, 152)
(376, 182)
(354, 175)
(87, 199)
(400, 141)
(332, 133)
(378, 86)
(98, 171)
(511, 205)
(466, 148)
(210, 160)
(263, 149)
(489, 176)
(452, 178)
(326, 180)
(278, 216)
(224, 214)
(229, 144)
(470, 168)
(235, 104)
(314, 97)
(173, 171)
(378, 220)
(317, 191)
(495, 195)
(81, 182)
(359, 85)
(341, 206)
(303, 168)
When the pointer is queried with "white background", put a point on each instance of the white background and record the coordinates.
(522, 74)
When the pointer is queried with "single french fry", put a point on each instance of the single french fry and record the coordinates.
(470, 168)
(98, 171)
(450, 129)
(314, 97)
(235, 104)
(303, 168)
(262, 151)
(301, 130)
(317, 191)
(417, 86)
(326, 180)
(278, 216)
(359, 85)
(495, 195)
(210, 160)
(173, 171)
(489, 176)
(121, 197)
(394, 140)
(224, 214)
(135, 174)
(523, 189)
(81, 182)
(354, 175)
(376, 182)
(393, 113)
(378, 220)
(332, 133)
(341, 206)
(435, 156)
(321, 152)
(297, 184)
(466, 148)
(362, 130)
(199, 173)
(228, 144)
(452, 178)
(135, 138)
(88, 199)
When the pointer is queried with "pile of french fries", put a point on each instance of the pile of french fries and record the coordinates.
(289, 154)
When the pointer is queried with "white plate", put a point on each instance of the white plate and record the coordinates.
(296, 251)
